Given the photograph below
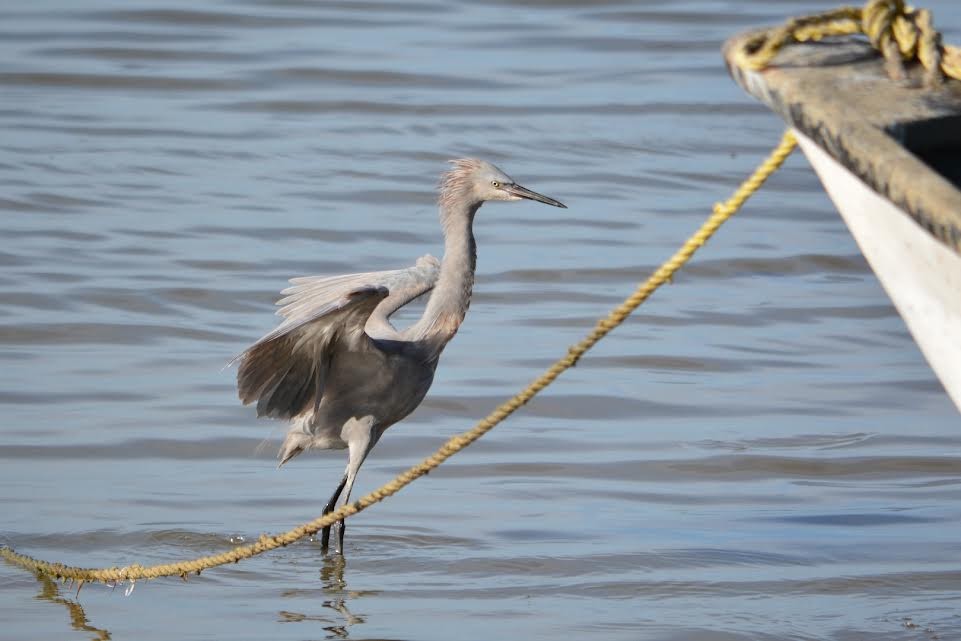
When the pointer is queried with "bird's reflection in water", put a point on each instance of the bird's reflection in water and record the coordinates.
(49, 591)
(334, 585)
(335, 595)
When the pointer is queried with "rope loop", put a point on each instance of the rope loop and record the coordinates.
(902, 34)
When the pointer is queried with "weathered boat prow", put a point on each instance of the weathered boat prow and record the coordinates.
(888, 153)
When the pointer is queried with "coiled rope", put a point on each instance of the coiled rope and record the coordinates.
(722, 211)
(900, 32)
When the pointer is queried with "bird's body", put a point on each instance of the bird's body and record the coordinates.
(337, 369)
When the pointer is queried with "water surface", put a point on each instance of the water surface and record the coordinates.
(759, 453)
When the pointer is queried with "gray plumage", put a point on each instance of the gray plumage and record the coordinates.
(336, 367)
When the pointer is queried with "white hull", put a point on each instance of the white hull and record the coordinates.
(920, 275)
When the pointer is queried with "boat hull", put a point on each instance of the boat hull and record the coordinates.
(920, 274)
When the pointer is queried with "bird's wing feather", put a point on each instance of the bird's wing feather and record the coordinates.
(405, 285)
(284, 371)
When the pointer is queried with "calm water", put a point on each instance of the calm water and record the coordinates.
(760, 453)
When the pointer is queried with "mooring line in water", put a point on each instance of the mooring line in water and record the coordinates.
(901, 33)
(722, 212)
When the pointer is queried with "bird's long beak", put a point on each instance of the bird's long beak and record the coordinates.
(524, 192)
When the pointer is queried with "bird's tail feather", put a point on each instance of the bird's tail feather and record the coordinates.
(295, 443)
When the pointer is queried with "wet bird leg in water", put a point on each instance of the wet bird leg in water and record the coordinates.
(325, 533)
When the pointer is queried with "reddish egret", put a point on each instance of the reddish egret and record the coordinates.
(337, 369)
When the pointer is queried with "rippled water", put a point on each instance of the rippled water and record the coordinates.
(759, 453)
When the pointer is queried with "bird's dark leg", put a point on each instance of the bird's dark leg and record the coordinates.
(340, 536)
(360, 437)
(331, 504)
(351, 477)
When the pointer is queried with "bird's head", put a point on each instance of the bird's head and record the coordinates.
(471, 182)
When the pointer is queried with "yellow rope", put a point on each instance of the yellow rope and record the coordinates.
(898, 31)
(722, 211)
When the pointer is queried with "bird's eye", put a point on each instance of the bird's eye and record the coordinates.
(495, 184)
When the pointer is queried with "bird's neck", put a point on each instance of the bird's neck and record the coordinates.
(451, 296)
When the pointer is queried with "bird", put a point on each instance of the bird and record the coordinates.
(337, 369)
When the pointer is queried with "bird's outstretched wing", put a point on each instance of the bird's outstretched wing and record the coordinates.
(284, 371)
(311, 297)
